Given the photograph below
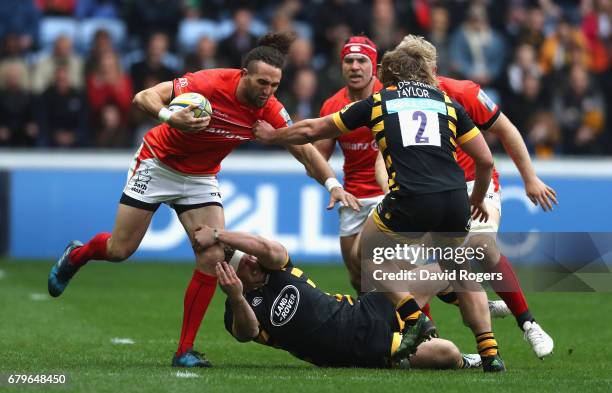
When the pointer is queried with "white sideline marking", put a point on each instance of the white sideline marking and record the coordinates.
(186, 374)
(122, 341)
(39, 297)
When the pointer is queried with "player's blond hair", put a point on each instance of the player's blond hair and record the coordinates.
(413, 59)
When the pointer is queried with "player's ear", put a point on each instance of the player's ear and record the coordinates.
(244, 72)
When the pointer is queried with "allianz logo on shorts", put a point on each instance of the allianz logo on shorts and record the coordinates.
(285, 305)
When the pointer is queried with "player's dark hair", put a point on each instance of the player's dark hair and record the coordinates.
(271, 49)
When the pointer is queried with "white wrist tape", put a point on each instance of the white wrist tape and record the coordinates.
(331, 183)
(236, 258)
(164, 114)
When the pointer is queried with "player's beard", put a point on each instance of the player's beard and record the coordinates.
(255, 100)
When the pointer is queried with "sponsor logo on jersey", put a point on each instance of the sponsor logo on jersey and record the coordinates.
(285, 115)
(220, 114)
(358, 146)
(486, 101)
(225, 133)
(183, 82)
(256, 301)
(285, 305)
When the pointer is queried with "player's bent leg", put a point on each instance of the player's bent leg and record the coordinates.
(130, 227)
(201, 288)
(417, 326)
(351, 225)
(437, 353)
(509, 288)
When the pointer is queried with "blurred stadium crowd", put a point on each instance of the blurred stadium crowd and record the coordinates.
(69, 68)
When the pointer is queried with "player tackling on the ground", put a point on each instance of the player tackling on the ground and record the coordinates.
(177, 164)
(274, 303)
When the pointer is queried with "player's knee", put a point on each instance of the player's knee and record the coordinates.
(119, 252)
(210, 256)
(487, 253)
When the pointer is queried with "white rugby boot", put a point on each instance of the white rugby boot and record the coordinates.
(540, 341)
(499, 309)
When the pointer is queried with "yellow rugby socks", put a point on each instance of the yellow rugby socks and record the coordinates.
(487, 346)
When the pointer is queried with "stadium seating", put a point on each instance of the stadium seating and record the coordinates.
(88, 28)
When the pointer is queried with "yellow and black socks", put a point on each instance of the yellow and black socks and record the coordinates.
(486, 344)
(408, 310)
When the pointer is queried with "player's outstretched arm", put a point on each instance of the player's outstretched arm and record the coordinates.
(153, 102)
(478, 149)
(244, 325)
(300, 133)
(536, 189)
(270, 254)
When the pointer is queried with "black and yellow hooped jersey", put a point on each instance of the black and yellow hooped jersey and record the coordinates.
(324, 329)
(417, 128)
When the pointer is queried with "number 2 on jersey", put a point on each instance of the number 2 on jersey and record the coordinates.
(419, 128)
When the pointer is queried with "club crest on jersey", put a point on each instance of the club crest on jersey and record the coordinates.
(285, 305)
(285, 115)
(256, 301)
(485, 100)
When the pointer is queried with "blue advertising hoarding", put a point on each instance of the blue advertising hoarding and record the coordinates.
(50, 206)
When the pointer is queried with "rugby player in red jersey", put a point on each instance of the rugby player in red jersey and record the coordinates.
(358, 58)
(177, 164)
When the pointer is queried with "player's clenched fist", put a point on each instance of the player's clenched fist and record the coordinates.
(204, 237)
(264, 132)
(184, 120)
(228, 280)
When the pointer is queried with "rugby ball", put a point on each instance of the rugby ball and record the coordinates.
(184, 100)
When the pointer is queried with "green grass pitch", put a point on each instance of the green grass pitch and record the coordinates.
(143, 301)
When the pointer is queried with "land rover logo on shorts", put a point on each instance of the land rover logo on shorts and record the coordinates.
(257, 301)
(285, 305)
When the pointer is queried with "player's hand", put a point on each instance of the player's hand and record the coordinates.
(540, 193)
(338, 194)
(185, 121)
(228, 280)
(203, 237)
(479, 212)
(264, 132)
